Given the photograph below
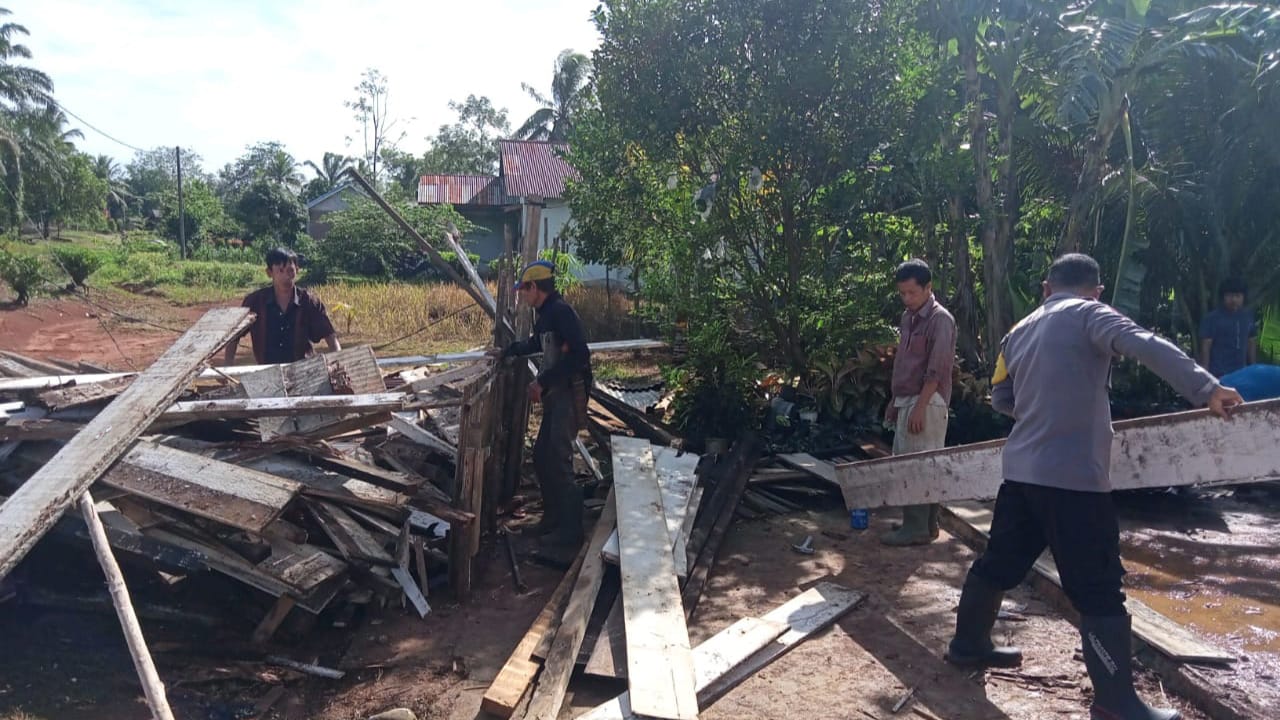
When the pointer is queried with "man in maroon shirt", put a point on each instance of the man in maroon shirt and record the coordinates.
(921, 387)
(287, 319)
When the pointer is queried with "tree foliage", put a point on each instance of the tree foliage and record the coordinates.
(270, 213)
(470, 145)
(364, 240)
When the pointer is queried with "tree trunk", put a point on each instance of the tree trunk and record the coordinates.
(995, 259)
(963, 303)
(1095, 158)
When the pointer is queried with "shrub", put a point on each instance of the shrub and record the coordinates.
(714, 387)
(79, 262)
(22, 273)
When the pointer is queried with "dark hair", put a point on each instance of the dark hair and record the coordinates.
(1232, 285)
(914, 269)
(546, 285)
(1074, 271)
(281, 256)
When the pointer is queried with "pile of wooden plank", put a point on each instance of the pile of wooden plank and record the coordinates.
(662, 525)
(314, 483)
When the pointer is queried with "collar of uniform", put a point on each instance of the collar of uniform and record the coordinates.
(1065, 296)
(295, 300)
(926, 309)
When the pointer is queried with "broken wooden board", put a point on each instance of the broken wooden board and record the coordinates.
(351, 539)
(86, 394)
(516, 675)
(345, 372)
(659, 658)
(406, 424)
(811, 465)
(737, 652)
(1187, 448)
(318, 482)
(1156, 630)
(609, 656)
(232, 495)
(31, 511)
(280, 407)
(676, 478)
(548, 696)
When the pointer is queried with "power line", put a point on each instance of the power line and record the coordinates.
(90, 125)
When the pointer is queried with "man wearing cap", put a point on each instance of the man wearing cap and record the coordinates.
(561, 387)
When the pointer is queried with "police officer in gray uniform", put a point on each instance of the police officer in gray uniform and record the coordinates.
(561, 387)
(1052, 378)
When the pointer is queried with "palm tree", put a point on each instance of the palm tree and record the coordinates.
(283, 169)
(569, 95)
(110, 172)
(20, 88)
(330, 167)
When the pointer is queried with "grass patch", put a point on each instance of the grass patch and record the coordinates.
(441, 317)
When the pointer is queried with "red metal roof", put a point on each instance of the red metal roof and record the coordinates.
(459, 190)
(534, 168)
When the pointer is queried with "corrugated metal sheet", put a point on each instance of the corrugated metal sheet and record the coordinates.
(534, 168)
(459, 190)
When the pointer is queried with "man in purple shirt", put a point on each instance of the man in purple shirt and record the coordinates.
(1052, 378)
(921, 387)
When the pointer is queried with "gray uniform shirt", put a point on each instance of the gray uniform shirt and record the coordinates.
(1053, 379)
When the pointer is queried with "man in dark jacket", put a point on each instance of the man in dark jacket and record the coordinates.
(1052, 378)
(561, 387)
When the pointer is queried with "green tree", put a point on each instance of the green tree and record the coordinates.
(363, 240)
(570, 95)
(203, 212)
(153, 174)
(106, 169)
(770, 120)
(470, 145)
(269, 212)
(260, 161)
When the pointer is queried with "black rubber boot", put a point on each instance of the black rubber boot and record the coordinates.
(1107, 656)
(569, 508)
(972, 647)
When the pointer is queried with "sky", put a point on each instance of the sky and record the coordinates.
(217, 76)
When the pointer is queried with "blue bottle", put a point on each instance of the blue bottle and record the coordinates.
(859, 518)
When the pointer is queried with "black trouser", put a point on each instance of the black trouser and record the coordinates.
(1081, 530)
(553, 461)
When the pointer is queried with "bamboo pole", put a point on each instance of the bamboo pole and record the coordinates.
(152, 687)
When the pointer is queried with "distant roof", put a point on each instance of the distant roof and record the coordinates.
(534, 168)
(339, 188)
(460, 190)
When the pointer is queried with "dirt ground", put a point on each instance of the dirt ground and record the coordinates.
(73, 665)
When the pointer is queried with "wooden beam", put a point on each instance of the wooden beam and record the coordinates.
(609, 656)
(230, 494)
(152, 687)
(811, 465)
(46, 382)
(272, 620)
(972, 523)
(84, 394)
(513, 680)
(641, 424)
(659, 659)
(368, 404)
(1186, 448)
(548, 696)
(33, 509)
(351, 540)
(731, 481)
(735, 653)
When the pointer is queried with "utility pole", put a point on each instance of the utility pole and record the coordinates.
(182, 216)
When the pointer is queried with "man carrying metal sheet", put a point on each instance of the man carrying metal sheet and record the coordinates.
(1052, 378)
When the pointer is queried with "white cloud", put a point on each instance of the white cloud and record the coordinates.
(217, 77)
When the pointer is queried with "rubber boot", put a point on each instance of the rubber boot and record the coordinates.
(914, 530)
(935, 524)
(972, 647)
(550, 521)
(1107, 656)
(569, 507)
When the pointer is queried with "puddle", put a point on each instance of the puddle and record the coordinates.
(1210, 559)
